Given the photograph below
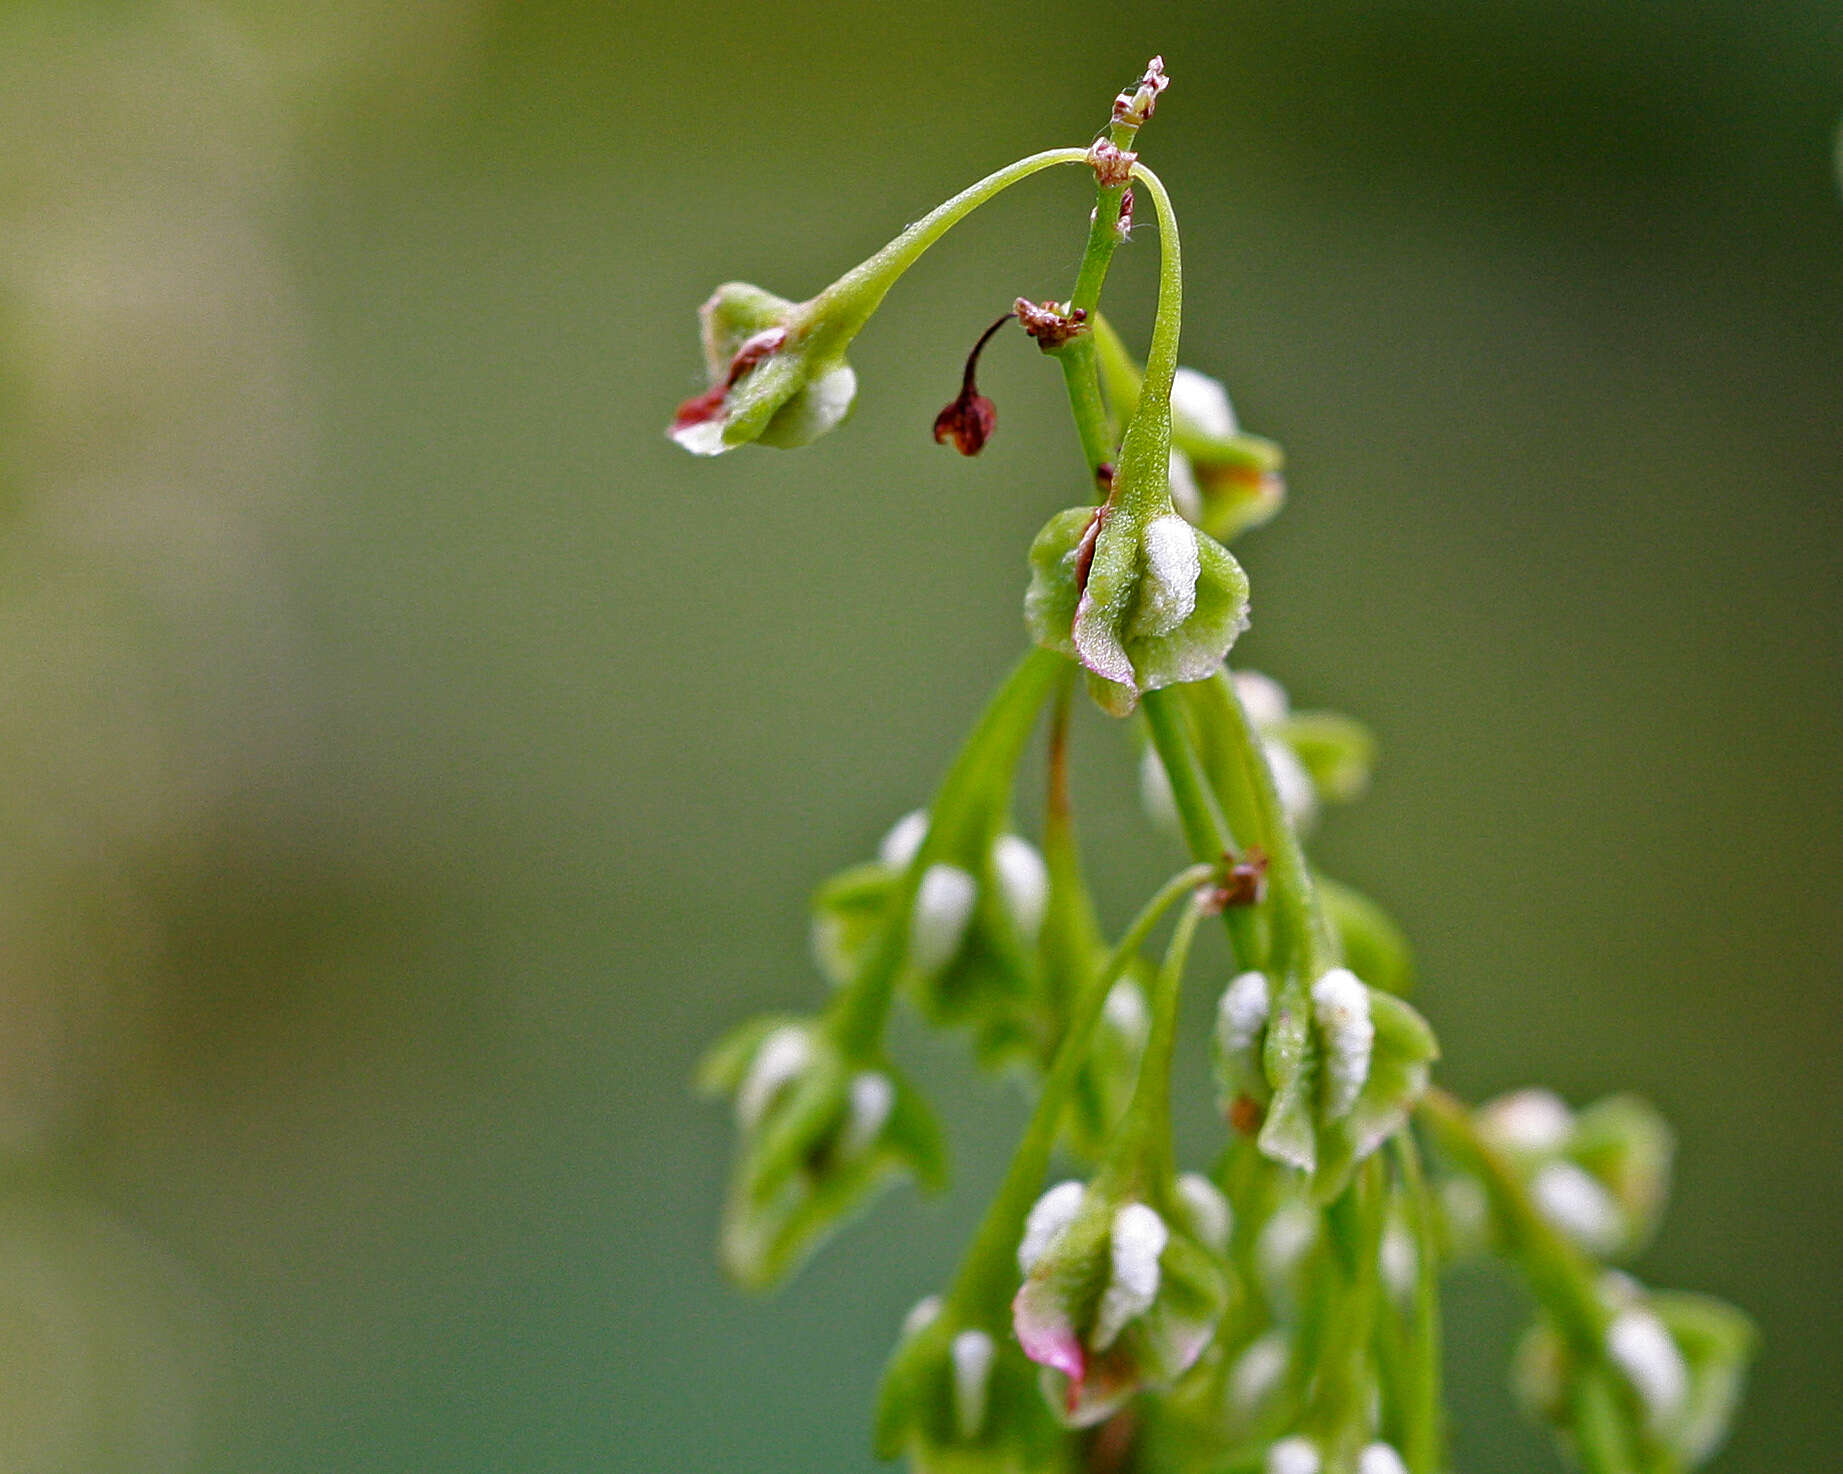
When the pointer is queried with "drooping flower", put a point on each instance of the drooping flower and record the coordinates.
(772, 379)
(777, 370)
(1117, 1296)
(1599, 1175)
(960, 1398)
(820, 1135)
(1324, 1075)
(1136, 594)
(1666, 1376)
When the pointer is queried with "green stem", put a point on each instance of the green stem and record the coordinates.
(1354, 1225)
(1071, 934)
(982, 1288)
(836, 314)
(1302, 937)
(1140, 1156)
(1421, 1433)
(1077, 355)
(1142, 478)
(989, 757)
(1161, 358)
(1205, 833)
(1120, 376)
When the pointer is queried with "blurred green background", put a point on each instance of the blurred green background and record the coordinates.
(413, 759)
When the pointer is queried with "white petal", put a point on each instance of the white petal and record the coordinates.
(1285, 1240)
(972, 1353)
(1139, 1237)
(1210, 1217)
(1126, 1012)
(705, 438)
(1242, 1013)
(1155, 795)
(943, 907)
(1262, 697)
(1340, 1003)
(873, 1097)
(1575, 1202)
(1168, 592)
(1534, 1121)
(1298, 793)
(898, 847)
(1399, 1261)
(814, 409)
(1643, 1349)
(1202, 404)
(1258, 1371)
(1052, 1213)
(1294, 1455)
(1380, 1458)
(1184, 493)
(1024, 880)
(1098, 644)
(1467, 1209)
(778, 1059)
(921, 1315)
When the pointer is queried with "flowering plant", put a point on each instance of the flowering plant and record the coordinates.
(1278, 1308)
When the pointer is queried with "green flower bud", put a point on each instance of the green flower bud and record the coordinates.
(1283, 1250)
(1141, 598)
(972, 931)
(1716, 1342)
(1236, 477)
(960, 1399)
(1294, 1455)
(777, 368)
(1627, 1145)
(1316, 756)
(772, 377)
(1256, 1377)
(1116, 1298)
(1329, 1082)
(1599, 1176)
(1667, 1375)
(820, 1136)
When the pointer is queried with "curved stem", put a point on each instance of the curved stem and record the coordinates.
(990, 755)
(837, 313)
(1161, 358)
(982, 1288)
(1077, 355)
(1142, 481)
(1140, 1154)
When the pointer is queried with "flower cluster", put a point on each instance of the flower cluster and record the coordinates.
(1280, 1310)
